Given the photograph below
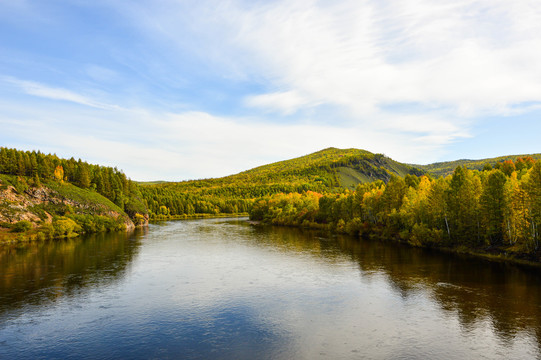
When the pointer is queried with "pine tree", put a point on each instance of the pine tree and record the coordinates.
(21, 169)
(35, 181)
(84, 176)
(33, 163)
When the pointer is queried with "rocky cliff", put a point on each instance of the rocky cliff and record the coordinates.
(40, 205)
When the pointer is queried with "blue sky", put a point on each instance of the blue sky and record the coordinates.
(176, 90)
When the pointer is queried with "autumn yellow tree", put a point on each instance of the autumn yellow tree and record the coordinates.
(59, 173)
(516, 212)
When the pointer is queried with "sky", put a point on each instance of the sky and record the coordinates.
(180, 89)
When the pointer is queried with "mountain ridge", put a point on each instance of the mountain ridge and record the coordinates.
(444, 168)
(327, 170)
(439, 168)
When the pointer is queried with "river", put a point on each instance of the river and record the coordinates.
(225, 289)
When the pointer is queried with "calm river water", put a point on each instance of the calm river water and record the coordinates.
(224, 289)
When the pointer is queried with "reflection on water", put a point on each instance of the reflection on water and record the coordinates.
(221, 288)
(507, 295)
(475, 290)
(40, 272)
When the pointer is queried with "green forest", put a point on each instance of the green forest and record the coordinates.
(496, 210)
(31, 168)
(327, 171)
(76, 197)
(485, 206)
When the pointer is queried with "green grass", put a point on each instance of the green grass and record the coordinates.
(88, 198)
(350, 178)
(89, 210)
(144, 183)
(7, 180)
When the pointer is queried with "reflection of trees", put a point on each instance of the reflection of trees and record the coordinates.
(507, 295)
(291, 239)
(476, 289)
(34, 273)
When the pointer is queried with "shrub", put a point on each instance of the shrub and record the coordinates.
(139, 219)
(22, 226)
(66, 227)
(47, 230)
(20, 185)
(422, 235)
(341, 226)
(354, 226)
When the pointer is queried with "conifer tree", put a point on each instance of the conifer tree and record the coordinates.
(84, 176)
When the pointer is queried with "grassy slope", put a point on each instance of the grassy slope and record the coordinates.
(350, 178)
(88, 198)
(447, 167)
(90, 210)
(320, 170)
(85, 201)
(349, 166)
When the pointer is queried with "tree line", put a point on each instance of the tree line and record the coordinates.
(317, 172)
(495, 209)
(34, 167)
(216, 196)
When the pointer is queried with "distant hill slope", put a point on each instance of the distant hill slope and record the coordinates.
(323, 171)
(332, 167)
(447, 167)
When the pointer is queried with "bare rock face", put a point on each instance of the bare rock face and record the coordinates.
(14, 207)
(40, 195)
(145, 223)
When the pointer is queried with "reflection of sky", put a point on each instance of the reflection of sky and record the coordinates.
(217, 292)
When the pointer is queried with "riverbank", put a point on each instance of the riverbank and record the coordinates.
(54, 209)
(493, 254)
(158, 218)
(59, 229)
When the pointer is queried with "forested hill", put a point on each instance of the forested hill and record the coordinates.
(448, 167)
(332, 167)
(44, 196)
(328, 170)
(495, 211)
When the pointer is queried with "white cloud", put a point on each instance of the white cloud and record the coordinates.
(287, 102)
(101, 74)
(221, 146)
(469, 55)
(55, 93)
(190, 145)
(453, 61)
(405, 78)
